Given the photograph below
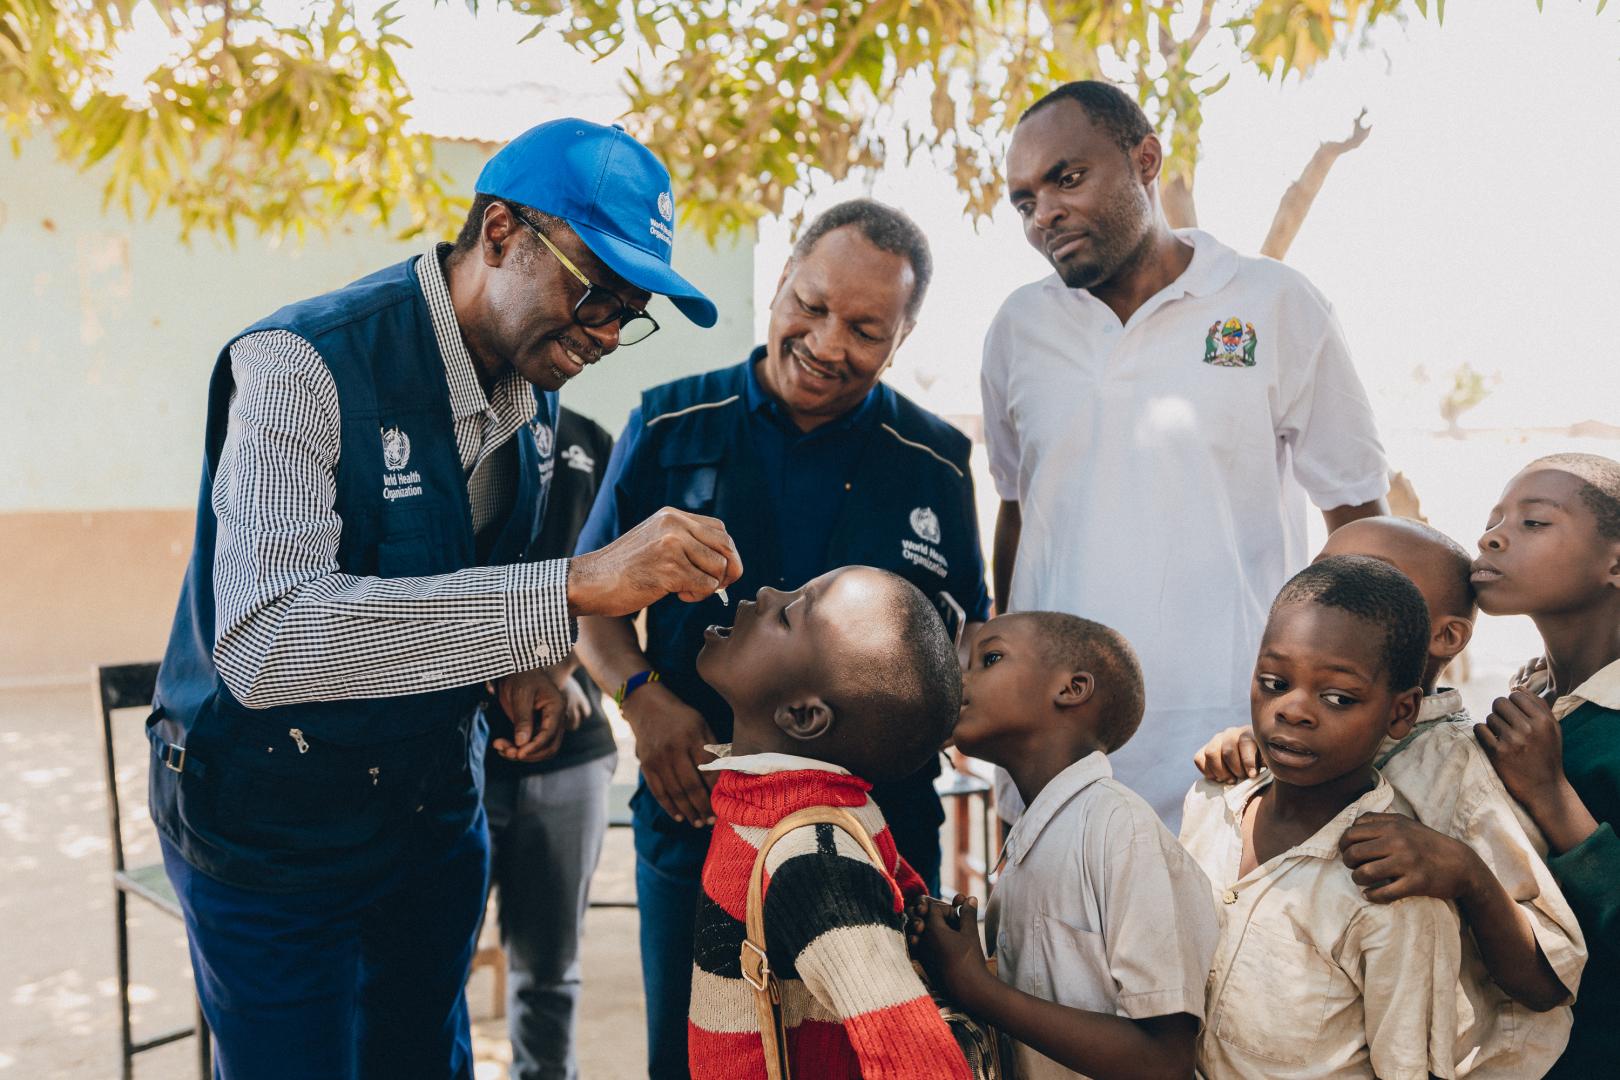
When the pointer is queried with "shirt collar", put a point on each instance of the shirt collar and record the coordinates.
(1213, 265)
(1442, 703)
(1324, 843)
(511, 402)
(1601, 689)
(466, 392)
(1057, 794)
(765, 764)
(759, 400)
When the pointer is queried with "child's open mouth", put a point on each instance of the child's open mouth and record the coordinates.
(1290, 753)
(720, 632)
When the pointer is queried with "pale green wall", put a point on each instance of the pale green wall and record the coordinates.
(108, 331)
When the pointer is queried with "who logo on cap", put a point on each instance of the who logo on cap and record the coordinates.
(612, 192)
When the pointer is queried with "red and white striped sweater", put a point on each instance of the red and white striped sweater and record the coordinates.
(853, 1005)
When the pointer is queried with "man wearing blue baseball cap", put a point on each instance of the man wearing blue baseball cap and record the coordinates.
(365, 572)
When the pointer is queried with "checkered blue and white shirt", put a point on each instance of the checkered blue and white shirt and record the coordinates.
(289, 626)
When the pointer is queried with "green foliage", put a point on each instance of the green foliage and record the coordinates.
(281, 126)
(1468, 388)
(753, 100)
(291, 126)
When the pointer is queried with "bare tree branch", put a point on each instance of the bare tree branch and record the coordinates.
(1205, 21)
(1176, 196)
(1296, 201)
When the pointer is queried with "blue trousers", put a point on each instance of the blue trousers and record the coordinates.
(362, 983)
(669, 884)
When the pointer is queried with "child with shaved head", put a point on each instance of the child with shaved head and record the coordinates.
(1551, 550)
(849, 680)
(1470, 842)
(1101, 925)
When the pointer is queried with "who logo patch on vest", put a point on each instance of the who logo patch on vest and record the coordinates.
(398, 484)
(545, 441)
(924, 551)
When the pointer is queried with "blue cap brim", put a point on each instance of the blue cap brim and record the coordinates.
(648, 272)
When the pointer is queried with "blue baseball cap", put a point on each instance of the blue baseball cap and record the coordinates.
(612, 192)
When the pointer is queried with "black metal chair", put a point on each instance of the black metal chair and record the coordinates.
(129, 686)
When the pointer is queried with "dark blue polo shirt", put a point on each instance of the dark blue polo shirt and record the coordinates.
(804, 471)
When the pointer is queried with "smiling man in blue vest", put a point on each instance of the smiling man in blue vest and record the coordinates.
(375, 474)
(812, 464)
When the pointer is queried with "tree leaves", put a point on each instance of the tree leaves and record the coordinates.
(283, 127)
(290, 126)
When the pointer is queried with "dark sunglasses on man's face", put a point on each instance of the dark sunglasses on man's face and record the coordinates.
(599, 307)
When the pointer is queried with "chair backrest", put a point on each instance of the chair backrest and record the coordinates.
(119, 686)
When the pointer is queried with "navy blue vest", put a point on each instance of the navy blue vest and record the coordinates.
(405, 512)
(909, 509)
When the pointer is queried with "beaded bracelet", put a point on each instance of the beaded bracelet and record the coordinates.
(632, 684)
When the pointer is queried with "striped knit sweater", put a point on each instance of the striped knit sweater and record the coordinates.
(853, 1004)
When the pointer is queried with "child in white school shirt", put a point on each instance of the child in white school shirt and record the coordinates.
(1311, 978)
(1101, 925)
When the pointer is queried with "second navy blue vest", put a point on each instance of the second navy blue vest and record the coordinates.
(402, 498)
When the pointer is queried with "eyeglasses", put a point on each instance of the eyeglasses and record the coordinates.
(599, 307)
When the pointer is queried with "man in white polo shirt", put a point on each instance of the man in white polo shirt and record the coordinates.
(1152, 412)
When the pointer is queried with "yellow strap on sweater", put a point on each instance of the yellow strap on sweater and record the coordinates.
(756, 968)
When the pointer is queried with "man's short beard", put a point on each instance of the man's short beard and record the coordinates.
(1123, 235)
(1084, 275)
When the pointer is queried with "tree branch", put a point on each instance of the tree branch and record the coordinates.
(1296, 201)
(1205, 21)
(1176, 197)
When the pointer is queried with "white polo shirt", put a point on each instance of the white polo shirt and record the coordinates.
(1158, 467)
(1098, 907)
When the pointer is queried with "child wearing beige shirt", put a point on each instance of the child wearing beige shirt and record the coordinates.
(1310, 978)
(1523, 951)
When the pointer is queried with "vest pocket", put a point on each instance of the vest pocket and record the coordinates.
(285, 789)
(308, 813)
(691, 475)
(692, 487)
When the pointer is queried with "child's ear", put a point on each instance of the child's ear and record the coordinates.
(1614, 567)
(1405, 712)
(1449, 636)
(804, 720)
(1077, 691)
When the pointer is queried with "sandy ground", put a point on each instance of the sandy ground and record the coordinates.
(58, 991)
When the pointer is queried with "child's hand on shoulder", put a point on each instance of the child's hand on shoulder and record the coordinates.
(1230, 756)
(1526, 745)
(945, 939)
(1392, 857)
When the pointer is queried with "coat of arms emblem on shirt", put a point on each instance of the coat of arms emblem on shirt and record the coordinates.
(396, 448)
(925, 523)
(1230, 344)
